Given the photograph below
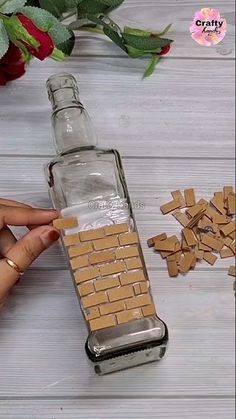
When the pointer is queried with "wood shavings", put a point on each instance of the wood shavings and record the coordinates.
(208, 232)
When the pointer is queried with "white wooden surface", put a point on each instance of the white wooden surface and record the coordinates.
(174, 130)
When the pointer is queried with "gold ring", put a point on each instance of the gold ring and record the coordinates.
(14, 266)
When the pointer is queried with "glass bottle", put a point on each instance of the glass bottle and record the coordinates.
(111, 282)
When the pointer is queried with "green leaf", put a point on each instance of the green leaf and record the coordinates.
(146, 43)
(55, 7)
(135, 31)
(4, 44)
(115, 37)
(151, 66)
(138, 53)
(10, 6)
(167, 28)
(112, 3)
(79, 23)
(92, 7)
(32, 3)
(71, 4)
(57, 55)
(67, 46)
(17, 32)
(47, 23)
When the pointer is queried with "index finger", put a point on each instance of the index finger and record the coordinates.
(20, 216)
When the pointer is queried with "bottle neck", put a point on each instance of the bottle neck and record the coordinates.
(72, 127)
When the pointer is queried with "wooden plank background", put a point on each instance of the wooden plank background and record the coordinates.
(174, 130)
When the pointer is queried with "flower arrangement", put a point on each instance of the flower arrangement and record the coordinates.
(38, 28)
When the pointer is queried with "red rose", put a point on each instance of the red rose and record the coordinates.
(12, 65)
(165, 50)
(46, 45)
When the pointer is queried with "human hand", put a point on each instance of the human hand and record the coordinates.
(23, 252)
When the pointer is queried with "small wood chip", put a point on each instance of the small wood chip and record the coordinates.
(232, 271)
(170, 206)
(212, 242)
(227, 191)
(226, 253)
(218, 202)
(181, 217)
(178, 196)
(210, 258)
(152, 240)
(186, 262)
(189, 237)
(228, 229)
(233, 247)
(172, 268)
(190, 197)
(231, 204)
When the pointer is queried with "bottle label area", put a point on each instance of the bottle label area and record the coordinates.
(109, 273)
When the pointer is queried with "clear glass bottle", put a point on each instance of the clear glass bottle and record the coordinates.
(89, 183)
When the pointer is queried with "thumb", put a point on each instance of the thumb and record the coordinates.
(23, 253)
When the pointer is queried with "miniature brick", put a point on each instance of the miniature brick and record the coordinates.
(80, 250)
(116, 229)
(128, 315)
(86, 288)
(102, 322)
(194, 221)
(106, 283)
(71, 240)
(149, 310)
(120, 293)
(106, 243)
(144, 286)
(210, 258)
(233, 235)
(128, 238)
(181, 217)
(91, 234)
(111, 308)
(231, 204)
(195, 210)
(94, 299)
(170, 206)
(151, 241)
(140, 301)
(134, 263)
(220, 219)
(65, 223)
(167, 245)
(100, 257)
(228, 229)
(186, 262)
(203, 247)
(91, 313)
(127, 252)
(227, 241)
(212, 242)
(232, 271)
(227, 190)
(190, 199)
(178, 196)
(211, 212)
(218, 202)
(132, 277)
(233, 247)
(86, 274)
(79, 262)
(172, 268)
(199, 254)
(137, 289)
(226, 253)
(189, 237)
(112, 268)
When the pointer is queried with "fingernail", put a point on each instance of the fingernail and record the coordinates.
(49, 237)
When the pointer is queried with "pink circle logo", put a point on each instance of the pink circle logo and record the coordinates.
(208, 28)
